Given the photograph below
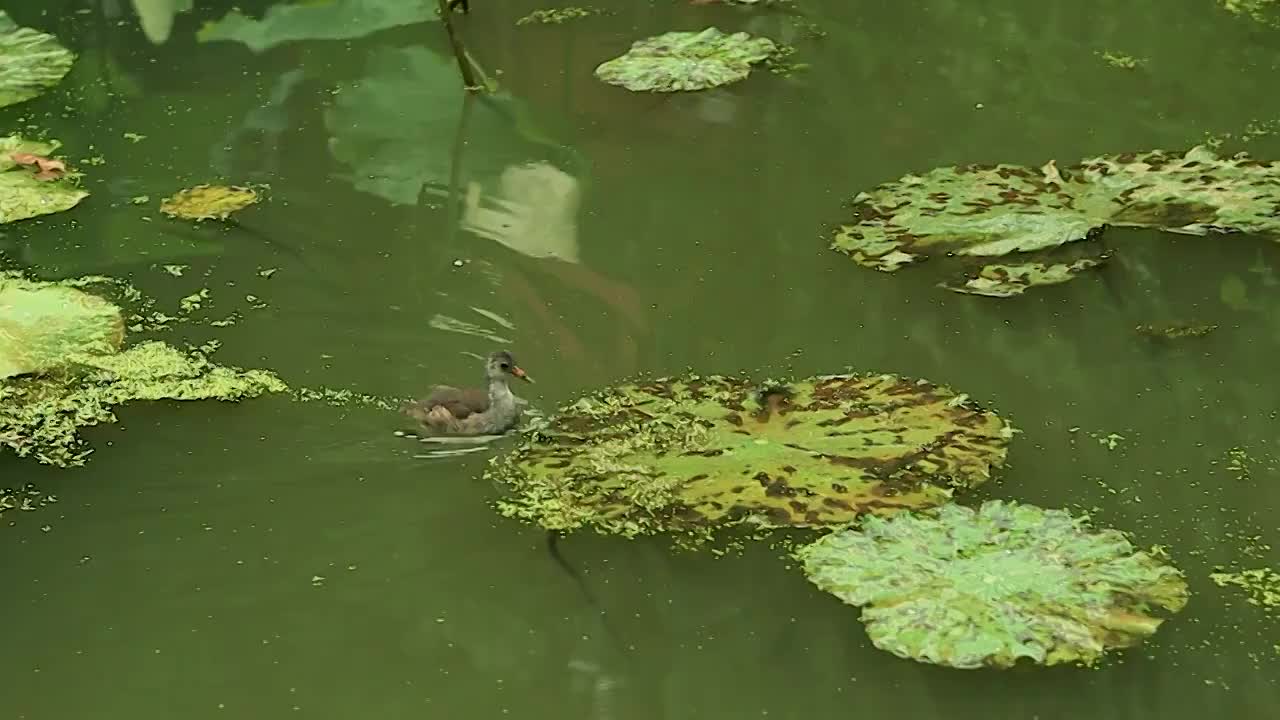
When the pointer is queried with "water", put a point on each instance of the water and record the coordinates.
(276, 558)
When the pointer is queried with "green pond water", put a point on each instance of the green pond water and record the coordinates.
(274, 558)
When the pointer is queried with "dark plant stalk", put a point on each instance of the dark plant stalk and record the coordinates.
(459, 52)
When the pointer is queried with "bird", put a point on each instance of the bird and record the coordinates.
(473, 411)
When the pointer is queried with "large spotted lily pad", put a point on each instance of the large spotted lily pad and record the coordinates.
(30, 62)
(1009, 210)
(692, 453)
(43, 409)
(42, 324)
(967, 589)
(23, 193)
(677, 61)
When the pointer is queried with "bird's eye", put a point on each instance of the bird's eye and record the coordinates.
(505, 366)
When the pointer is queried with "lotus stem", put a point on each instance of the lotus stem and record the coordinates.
(465, 66)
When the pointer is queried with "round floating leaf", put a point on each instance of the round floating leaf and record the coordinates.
(23, 194)
(692, 453)
(42, 326)
(967, 588)
(678, 61)
(208, 202)
(991, 211)
(30, 62)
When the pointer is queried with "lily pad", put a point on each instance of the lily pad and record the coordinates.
(30, 62)
(41, 415)
(692, 453)
(23, 195)
(332, 20)
(42, 324)
(967, 589)
(681, 61)
(208, 202)
(991, 211)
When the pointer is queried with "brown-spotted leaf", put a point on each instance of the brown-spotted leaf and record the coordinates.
(989, 211)
(690, 453)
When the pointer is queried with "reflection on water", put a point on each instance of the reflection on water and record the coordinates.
(533, 212)
(630, 233)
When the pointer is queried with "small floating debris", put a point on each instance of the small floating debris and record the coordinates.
(1176, 331)
(208, 202)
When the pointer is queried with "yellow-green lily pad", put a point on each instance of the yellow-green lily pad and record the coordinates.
(23, 193)
(42, 325)
(208, 202)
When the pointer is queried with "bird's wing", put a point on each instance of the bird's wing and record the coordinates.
(459, 403)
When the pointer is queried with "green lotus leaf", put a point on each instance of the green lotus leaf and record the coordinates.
(990, 211)
(677, 61)
(30, 62)
(967, 589)
(22, 194)
(332, 20)
(693, 453)
(42, 325)
(968, 210)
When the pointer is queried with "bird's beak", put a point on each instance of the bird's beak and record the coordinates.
(520, 373)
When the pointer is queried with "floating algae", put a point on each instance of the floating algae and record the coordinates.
(1261, 585)
(68, 371)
